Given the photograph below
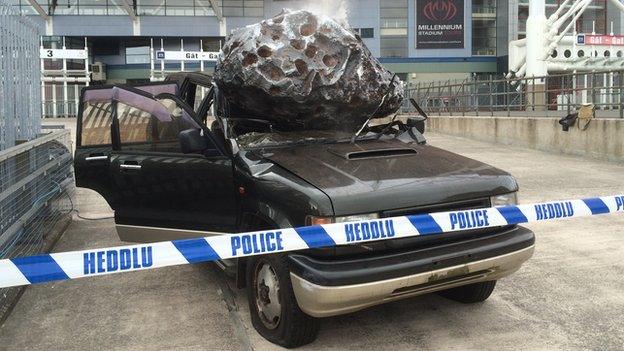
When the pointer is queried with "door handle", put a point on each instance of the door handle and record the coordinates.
(96, 158)
(130, 167)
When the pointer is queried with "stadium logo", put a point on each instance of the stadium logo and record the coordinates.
(440, 10)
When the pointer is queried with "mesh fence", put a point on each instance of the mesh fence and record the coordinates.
(36, 185)
(553, 95)
(20, 77)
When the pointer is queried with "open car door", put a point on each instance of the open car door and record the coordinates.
(93, 136)
(168, 177)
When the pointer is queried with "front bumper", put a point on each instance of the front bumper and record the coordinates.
(324, 289)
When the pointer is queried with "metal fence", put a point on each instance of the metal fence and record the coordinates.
(36, 185)
(554, 95)
(20, 78)
(36, 176)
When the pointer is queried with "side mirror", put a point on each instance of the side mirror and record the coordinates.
(418, 123)
(191, 141)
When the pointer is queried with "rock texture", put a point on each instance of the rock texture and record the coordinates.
(304, 71)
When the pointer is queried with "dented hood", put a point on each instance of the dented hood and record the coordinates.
(371, 176)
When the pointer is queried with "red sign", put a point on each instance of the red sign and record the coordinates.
(605, 40)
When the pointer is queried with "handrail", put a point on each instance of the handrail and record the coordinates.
(18, 149)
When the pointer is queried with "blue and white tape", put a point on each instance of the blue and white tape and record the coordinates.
(86, 263)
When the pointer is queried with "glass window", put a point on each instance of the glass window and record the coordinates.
(69, 7)
(484, 27)
(138, 54)
(179, 7)
(135, 125)
(115, 8)
(151, 7)
(367, 32)
(140, 130)
(92, 10)
(243, 8)
(202, 9)
(96, 123)
(393, 32)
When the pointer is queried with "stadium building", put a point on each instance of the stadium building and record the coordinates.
(119, 41)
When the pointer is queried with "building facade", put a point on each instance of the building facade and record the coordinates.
(421, 40)
(389, 28)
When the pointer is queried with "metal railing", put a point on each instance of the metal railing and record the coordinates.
(20, 78)
(36, 185)
(554, 95)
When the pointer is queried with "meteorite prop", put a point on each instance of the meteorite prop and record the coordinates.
(304, 71)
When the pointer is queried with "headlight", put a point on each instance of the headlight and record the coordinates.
(354, 218)
(314, 220)
(504, 200)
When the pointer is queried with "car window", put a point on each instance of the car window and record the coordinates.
(97, 118)
(97, 112)
(200, 94)
(148, 124)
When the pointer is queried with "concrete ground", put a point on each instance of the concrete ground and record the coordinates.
(570, 295)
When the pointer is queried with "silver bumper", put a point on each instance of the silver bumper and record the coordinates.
(325, 301)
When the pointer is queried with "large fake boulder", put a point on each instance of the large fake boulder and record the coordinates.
(303, 71)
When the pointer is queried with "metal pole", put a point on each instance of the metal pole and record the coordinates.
(42, 67)
(201, 49)
(476, 97)
(490, 82)
(86, 64)
(152, 60)
(76, 99)
(451, 103)
(65, 77)
(506, 95)
(162, 62)
(620, 90)
(182, 50)
(593, 88)
(611, 90)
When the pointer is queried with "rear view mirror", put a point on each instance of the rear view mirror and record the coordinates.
(191, 141)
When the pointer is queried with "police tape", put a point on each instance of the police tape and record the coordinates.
(86, 263)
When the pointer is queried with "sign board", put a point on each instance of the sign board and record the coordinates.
(440, 24)
(602, 40)
(63, 54)
(187, 55)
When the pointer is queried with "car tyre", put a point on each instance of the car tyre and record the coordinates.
(477, 292)
(268, 280)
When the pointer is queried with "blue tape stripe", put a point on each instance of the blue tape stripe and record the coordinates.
(425, 224)
(596, 205)
(196, 250)
(315, 236)
(39, 269)
(512, 214)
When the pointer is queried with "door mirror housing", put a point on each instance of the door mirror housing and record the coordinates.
(418, 123)
(192, 141)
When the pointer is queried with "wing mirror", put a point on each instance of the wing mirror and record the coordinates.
(192, 141)
(418, 123)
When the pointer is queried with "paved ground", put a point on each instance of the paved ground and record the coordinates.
(570, 295)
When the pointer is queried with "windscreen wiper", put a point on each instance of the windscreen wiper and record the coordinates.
(383, 101)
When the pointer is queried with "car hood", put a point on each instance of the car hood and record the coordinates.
(372, 176)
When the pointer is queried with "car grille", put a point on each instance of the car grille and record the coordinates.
(453, 206)
(398, 245)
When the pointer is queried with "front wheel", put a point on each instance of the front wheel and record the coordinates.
(477, 292)
(275, 313)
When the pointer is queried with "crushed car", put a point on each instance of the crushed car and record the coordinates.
(180, 159)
